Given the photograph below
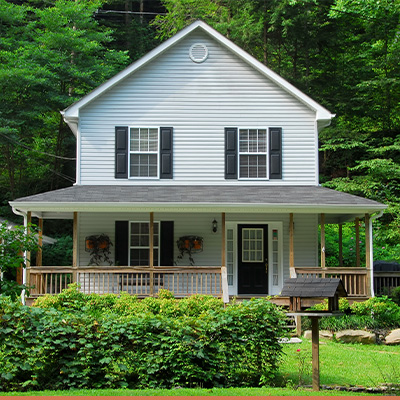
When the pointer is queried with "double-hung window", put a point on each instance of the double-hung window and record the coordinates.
(252, 153)
(139, 254)
(144, 150)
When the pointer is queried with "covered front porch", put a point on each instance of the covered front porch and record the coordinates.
(248, 247)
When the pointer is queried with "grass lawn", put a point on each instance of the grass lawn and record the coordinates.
(343, 364)
(340, 364)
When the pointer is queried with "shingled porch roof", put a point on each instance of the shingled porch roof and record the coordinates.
(185, 198)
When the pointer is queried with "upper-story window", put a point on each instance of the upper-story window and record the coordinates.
(143, 152)
(252, 153)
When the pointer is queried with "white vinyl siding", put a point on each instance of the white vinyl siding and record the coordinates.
(200, 224)
(199, 100)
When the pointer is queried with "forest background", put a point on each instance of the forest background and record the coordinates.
(345, 54)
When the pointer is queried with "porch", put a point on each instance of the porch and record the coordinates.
(283, 231)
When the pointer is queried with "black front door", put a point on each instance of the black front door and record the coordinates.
(252, 259)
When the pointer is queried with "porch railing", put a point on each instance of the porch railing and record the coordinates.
(386, 281)
(354, 279)
(140, 281)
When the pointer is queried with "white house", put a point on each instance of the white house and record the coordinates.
(198, 145)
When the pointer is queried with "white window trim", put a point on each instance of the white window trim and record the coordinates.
(247, 153)
(138, 247)
(133, 152)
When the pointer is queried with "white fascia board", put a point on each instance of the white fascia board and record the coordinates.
(72, 112)
(195, 207)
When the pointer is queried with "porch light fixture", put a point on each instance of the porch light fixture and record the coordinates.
(214, 226)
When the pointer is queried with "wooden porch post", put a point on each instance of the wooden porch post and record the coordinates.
(323, 243)
(291, 247)
(223, 250)
(368, 265)
(340, 245)
(151, 256)
(224, 272)
(357, 222)
(292, 268)
(75, 248)
(39, 254)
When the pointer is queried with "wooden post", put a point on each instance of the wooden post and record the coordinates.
(315, 352)
(223, 250)
(28, 253)
(291, 247)
(39, 254)
(151, 256)
(75, 248)
(27, 279)
(357, 222)
(224, 272)
(368, 265)
(340, 245)
(323, 243)
(298, 325)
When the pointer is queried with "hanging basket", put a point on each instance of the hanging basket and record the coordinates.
(190, 244)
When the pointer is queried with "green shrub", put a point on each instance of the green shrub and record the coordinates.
(395, 295)
(372, 314)
(384, 311)
(86, 341)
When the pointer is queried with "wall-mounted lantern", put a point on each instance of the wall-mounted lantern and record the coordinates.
(214, 226)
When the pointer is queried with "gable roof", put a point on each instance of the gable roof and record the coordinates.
(71, 114)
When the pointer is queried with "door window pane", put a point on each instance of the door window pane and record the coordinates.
(252, 245)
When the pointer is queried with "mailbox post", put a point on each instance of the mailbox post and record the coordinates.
(299, 289)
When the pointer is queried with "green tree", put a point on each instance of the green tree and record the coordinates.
(54, 53)
(13, 243)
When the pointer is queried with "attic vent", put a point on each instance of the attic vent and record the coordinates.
(198, 53)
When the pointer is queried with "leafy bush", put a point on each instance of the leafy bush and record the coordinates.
(384, 311)
(13, 243)
(75, 340)
(372, 314)
(395, 295)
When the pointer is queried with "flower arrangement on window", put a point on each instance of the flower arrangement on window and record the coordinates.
(99, 248)
(189, 245)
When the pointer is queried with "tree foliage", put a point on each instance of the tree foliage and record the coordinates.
(14, 242)
(343, 53)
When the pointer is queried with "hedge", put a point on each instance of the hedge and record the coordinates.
(111, 342)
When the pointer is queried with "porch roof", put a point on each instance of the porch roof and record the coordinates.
(338, 206)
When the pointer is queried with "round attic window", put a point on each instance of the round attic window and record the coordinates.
(198, 53)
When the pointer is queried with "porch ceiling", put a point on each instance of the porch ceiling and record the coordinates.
(337, 206)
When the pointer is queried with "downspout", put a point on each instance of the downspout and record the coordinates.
(371, 253)
(25, 215)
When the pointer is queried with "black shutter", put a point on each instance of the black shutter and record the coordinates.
(166, 152)
(167, 243)
(231, 153)
(121, 244)
(121, 152)
(275, 153)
